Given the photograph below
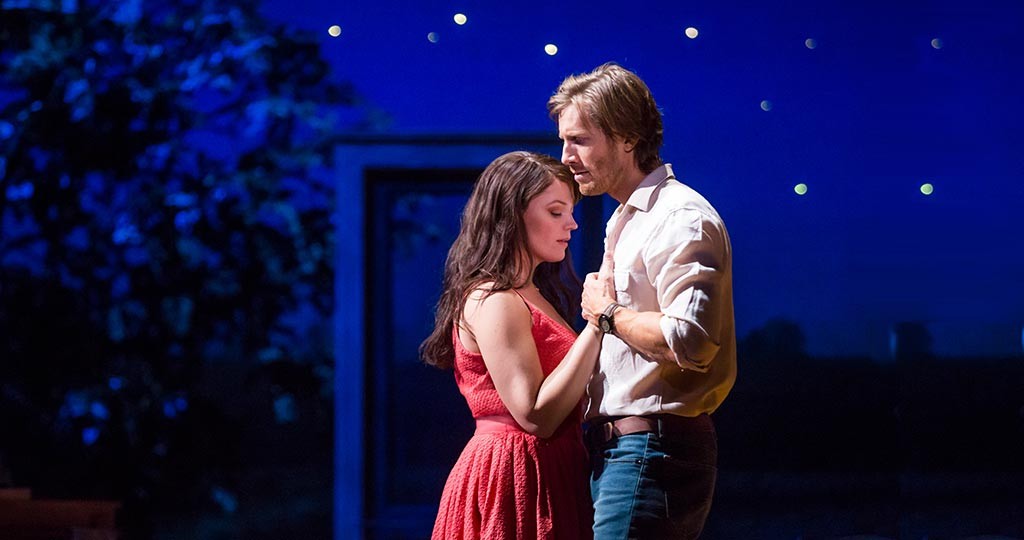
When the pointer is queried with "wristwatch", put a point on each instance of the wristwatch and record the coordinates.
(606, 321)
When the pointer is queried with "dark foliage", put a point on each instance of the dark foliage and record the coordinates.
(166, 206)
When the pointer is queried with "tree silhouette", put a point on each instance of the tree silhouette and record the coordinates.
(778, 339)
(166, 202)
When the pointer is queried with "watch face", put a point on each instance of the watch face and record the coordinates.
(605, 323)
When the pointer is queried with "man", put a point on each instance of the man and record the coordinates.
(663, 298)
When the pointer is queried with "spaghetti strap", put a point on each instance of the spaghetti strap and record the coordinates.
(535, 311)
(525, 301)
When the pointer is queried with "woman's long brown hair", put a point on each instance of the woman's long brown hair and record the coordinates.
(491, 247)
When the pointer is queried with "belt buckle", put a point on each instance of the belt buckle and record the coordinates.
(601, 433)
(607, 431)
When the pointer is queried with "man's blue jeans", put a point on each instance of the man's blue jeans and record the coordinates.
(650, 487)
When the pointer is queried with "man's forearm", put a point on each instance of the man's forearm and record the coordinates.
(641, 330)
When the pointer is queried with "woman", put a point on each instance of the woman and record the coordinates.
(501, 323)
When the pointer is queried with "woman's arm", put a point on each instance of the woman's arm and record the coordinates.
(501, 325)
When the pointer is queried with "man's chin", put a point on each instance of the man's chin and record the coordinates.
(590, 190)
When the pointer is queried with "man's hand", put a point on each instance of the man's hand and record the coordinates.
(599, 289)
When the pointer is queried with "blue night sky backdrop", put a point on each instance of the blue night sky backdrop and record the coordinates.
(889, 96)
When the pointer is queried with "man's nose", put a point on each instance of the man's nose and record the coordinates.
(568, 155)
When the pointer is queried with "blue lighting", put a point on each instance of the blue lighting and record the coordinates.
(90, 435)
(99, 410)
(20, 192)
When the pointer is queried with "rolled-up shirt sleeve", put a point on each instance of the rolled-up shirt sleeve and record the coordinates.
(685, 259)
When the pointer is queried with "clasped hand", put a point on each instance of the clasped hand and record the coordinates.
(599, 289)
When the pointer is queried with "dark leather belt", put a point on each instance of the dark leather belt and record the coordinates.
(604, 429)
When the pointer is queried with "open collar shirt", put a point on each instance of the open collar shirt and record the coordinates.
(672, 255)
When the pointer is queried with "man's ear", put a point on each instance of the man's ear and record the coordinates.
(629, 143)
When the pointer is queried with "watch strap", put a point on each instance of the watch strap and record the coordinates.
(606, 321)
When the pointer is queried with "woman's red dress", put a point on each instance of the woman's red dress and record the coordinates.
(508, 484)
